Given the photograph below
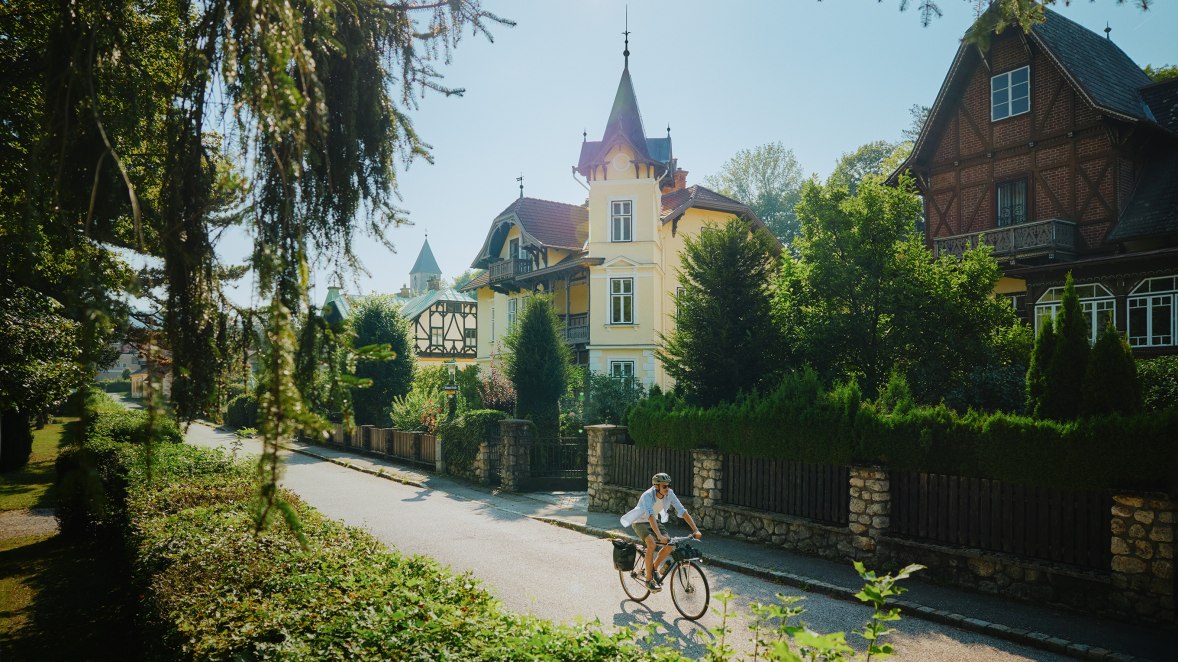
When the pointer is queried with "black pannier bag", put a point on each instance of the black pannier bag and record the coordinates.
(624, 553)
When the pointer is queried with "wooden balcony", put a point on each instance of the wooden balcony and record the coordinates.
(1054, 239)
(509, 269)
(576, 329)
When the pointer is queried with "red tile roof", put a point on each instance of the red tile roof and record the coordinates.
(553, 224)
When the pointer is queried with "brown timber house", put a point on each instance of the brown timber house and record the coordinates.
(1057, 150)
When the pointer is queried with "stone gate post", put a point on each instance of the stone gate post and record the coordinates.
(707, 483)
(515, 452)
(871, 508)
(601, 453)
(1142, 543)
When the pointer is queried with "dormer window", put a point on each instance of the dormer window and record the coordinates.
(621, 221)
(1010, 94)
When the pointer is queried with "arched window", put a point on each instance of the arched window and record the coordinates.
(1096, 302)
(1153, 312)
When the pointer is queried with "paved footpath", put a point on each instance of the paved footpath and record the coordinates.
(1046, 628)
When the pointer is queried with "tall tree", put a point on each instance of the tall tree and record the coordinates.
(725, 341)
(864, 296)
(538, 364)
(377, 321)
(767, 179)
(873, 158)
(1037, 384)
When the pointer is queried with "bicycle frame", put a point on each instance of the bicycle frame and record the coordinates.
(689, 584)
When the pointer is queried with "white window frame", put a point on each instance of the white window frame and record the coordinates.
(621, 301)
(512, 312)
(1007, 94)
(621, 369)
(679, 291)
(1153, 295)
(621, 220)
(437, 336)
(1096, 302)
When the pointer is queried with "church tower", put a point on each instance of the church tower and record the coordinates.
(424, 270)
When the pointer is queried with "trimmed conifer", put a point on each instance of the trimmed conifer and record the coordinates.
(1037, 384)
(1111, 384)
(1069, 360)
(538, 365)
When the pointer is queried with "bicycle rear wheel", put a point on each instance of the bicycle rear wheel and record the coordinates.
(689, 590)
(634, 581)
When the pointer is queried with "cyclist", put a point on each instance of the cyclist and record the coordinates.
(656, 501)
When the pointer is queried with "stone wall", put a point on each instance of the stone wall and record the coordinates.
(1143, 555)
(1140, 583)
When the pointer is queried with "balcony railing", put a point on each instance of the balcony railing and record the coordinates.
(509, 269)
(576, 329)
(1053, 238)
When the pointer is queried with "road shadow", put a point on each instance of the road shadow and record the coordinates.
(656, 627)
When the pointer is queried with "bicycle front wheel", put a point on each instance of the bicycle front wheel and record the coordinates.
(689, 590)
(634, 581)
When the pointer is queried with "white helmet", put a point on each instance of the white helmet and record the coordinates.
(660, 478)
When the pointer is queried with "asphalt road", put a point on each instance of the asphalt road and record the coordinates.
(549, 571)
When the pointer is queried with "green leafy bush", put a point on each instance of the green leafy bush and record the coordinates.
(420, 409)
(609, 399)
(242, 412)
(117, 386)
(110, 420)
(1159, 382)
(462, 436)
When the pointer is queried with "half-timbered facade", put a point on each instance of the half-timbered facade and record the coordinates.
(611, 265)
(1057, 150)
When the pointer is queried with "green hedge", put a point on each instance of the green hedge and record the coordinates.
(212, 589)
(462, 436)
(110, 420)
(242, 412)
(117, 386)
(1159, 382)
(800, 421)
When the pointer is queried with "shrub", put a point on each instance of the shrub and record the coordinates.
(420, 409)
(1110, 384)
(462, 436)
(110, 421)
(609, 399)
(16, 440)
(117, 386)
(242, 412)
(495, 390)
(538, 365)
(1064, 380)
(1159, 382)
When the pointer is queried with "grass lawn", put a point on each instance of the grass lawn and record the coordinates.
(59, 600)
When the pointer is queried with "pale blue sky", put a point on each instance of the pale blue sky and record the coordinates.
(820, 77)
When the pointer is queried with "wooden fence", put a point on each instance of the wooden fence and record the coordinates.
(414, 447)
(1048, 524)
(633, 466)
(817, 492)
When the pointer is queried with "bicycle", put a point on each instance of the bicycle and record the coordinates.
(689, 584)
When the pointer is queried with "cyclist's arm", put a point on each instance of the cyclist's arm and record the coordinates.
(694, 528)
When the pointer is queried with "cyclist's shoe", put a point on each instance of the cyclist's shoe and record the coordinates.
(654, 586)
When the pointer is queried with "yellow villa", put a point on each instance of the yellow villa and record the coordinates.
(611, 265)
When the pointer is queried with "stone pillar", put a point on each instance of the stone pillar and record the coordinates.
(1142, 543)
(439, 457)
(871, 508)
(601, 455)
(515, 453)
(482, 463)
(366, 437)
(707, 483)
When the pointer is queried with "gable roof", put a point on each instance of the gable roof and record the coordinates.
(425, 264)
(1153, 209)
(419, 304)
(544, 222)
(1095, 66)
(1162, 100)
(676, 203)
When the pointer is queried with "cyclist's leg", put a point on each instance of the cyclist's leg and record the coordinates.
(663, 554)
(647, 537)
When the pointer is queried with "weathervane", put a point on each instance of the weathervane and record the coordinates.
(520, 179)
(626, 53)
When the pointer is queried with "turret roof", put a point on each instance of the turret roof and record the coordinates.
(426, 264)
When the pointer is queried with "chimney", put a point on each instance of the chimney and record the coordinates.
(405, 293)
(435, 283)
(680, 183)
